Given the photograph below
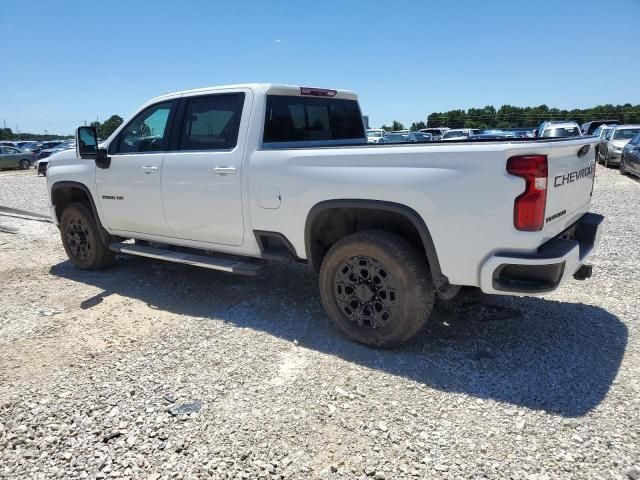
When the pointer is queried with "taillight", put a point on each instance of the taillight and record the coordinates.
(317, 92)
(529, 207)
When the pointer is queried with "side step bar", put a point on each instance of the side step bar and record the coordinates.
(212, 263)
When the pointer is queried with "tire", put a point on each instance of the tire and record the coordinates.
(81, 238)
(623, 170)
(24, 164)
(385, 303)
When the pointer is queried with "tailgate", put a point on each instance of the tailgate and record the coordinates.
(570, 182)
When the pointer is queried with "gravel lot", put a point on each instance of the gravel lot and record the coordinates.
(96, 366)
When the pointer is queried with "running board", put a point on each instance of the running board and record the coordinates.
(212, 263)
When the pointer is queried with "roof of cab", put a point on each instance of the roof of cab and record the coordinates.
(264, 88)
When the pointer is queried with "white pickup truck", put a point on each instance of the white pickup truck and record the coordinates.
(224, 177)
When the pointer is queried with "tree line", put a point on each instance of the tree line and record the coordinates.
(508, 116)
(105, 129)
(8, 134)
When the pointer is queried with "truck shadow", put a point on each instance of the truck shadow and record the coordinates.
(554, 356)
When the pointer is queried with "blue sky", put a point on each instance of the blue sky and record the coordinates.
(67, 61)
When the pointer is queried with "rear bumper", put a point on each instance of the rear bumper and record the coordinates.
(542, 271)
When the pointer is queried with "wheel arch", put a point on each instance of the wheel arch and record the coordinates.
(345, 210)
(65, 192)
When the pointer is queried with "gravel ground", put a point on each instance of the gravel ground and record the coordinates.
(99, 369)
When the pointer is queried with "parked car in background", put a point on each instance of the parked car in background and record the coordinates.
(559, 130)
(13, 157)
(502, 133)
(46, 152)
(610, 149)
(42, 161)
(523, 132)
(26, 145)
(630, 159)
(45, 145)
(460, 133)
(406, 137)
(415, 137)
(589, 128)
(397, 137)
(600, 132)
(374, 135)
(491, 136)
(436, 133)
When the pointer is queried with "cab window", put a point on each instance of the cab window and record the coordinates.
(211, 122)
(147, 132)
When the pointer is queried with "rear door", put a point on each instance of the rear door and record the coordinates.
(202, 174)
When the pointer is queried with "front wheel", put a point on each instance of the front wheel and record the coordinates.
(377, 288)
(24, 164)
(81, 238)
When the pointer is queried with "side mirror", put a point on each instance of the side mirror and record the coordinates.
(86, 142)
(87, 147)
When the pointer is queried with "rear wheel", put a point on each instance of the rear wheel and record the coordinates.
(376, 288)
(24, 164)
(81, 238)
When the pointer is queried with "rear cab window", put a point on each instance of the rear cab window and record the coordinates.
(211, 122)
(298, 121)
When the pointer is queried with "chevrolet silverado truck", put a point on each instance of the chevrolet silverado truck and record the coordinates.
(227, 177)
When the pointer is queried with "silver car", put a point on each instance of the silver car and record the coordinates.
(12, 157)
(601, 133)
(610, 149)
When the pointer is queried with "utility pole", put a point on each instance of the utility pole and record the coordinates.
(85, 123)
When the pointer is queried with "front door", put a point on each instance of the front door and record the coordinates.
(201, 176)
(129, 190)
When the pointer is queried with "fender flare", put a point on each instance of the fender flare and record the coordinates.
(107, 238)
(441, 282)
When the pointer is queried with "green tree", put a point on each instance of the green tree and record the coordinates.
(386, 128)
(6, 134)
(110, 125)
(396, 125)
(509, 116)
(415, 126)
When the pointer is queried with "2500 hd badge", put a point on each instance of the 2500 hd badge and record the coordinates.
(571, 177)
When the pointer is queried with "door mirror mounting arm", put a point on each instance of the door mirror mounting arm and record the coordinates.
(103, 160)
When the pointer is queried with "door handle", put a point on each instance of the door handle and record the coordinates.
(225, 170)
(149, 169)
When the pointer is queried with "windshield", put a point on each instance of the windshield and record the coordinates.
(374, 134)
(559, 132)
(626, 134)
